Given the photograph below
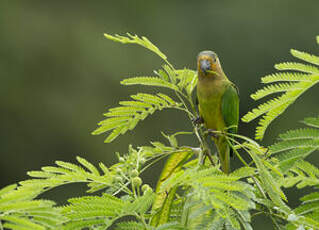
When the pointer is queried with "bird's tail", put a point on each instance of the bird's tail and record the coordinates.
(224, 153)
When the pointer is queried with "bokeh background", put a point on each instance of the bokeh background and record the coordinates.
(58, 74)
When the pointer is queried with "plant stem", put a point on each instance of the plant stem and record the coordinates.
(123, 187)
(253, 178)
(236, 152)
(142, 219)
(204, 146)
(178, 94)
(155, 161)
(265, 196)
(190, 115)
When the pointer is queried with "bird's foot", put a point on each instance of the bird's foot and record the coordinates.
(212, 132)
(198, 121)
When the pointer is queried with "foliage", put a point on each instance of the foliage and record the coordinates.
(192, 192)
(295, 145)
(291, 84)
(124, 118)
(19, 209)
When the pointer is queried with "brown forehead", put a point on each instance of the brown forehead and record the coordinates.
(204, 57)
(207, 54)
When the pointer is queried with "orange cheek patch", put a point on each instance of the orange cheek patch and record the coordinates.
(213, 66)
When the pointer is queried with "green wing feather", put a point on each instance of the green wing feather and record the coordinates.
(230, 108)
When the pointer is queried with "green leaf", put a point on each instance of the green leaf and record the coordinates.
(163, 200)
(312, 121)
(275, 88)
(21, 223)
(297, 66)
(125, 117)
(103, 211)
(88, 165)
(134, 39)
(151, 81)
(7, 189)
(305, 56)
(266, 181)
(143, 203)
(66, 173)
(288, 76)
(295, 145)
(129, 225)
(20, 210)
(302, 174)
(308, 212)
(288, 159)
(300, 134)
(296, 84)
(187, 80)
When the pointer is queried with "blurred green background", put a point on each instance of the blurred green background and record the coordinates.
(58, 74)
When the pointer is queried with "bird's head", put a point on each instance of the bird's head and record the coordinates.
(208, 64)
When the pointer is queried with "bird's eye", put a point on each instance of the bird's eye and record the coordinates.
(213, 58)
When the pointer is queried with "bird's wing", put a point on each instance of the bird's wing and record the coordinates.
(230, 108)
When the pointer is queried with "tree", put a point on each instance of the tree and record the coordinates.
(192, 191)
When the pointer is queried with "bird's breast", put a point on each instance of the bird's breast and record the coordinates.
(209, 95)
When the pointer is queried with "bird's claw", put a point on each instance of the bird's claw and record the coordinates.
(212, 133)
(198, 121)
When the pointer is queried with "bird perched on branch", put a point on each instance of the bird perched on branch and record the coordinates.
(218, 103)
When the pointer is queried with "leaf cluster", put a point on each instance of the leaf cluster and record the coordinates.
(192, 191)
(290, 84)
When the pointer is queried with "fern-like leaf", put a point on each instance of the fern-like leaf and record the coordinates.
(88, 211)
(305, 56)
(285, 76)
(312, 121)
(134, 39)
(275, 88)
(66, 173)
(298, 83)
(171, 226)
(308, 212)
(124, 118)
(298, 67)
(223, 193)
(310, 204)
(164, 199)
(151, 81)
(141, 204)
(129, 225)
(187, 80)
(295, 145)
(19, 210)
(102, 211)
(302, 174)
(176, 80)
(269, 184)
(274, 107)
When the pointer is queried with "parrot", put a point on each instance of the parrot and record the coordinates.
(218, 103)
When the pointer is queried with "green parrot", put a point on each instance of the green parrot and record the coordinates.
(218, 103)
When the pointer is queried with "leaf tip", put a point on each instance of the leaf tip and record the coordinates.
(108, 36)
(78, 158)
(94, 132)
(293, 51)
(277, 66)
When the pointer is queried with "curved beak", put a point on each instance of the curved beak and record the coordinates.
(205, 65)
